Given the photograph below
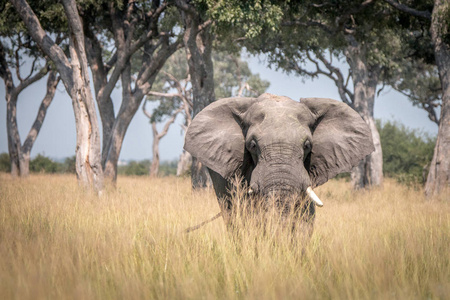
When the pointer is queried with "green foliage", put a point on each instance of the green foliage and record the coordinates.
(406, 152)
(138, 168)
(168, 168)
(141, 168)
(42, 164)
(251, 18)
(69, 165)
(420, 82)
(5, 163)
(230, 72)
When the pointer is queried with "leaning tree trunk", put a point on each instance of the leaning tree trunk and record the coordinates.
(154, 167)
(370, 169)
(25, 151)
(123, 120)
(439, 176)
(198, 46)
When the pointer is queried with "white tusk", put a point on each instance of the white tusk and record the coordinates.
(313, 196)
(250, 191)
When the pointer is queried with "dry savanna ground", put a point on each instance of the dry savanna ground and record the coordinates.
(57, 242)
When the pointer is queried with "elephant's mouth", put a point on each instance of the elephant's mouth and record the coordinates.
(282, 194)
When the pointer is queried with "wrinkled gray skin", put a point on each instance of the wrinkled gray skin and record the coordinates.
(278, 145)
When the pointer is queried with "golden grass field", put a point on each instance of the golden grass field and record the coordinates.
(57, 242)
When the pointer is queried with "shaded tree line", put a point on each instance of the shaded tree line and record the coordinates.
(41, 164)
(407, 155)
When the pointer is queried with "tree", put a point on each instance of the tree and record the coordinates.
(198, 41)
(143, 35)
(42, 164)
(75, 76)
(16, 47)
(419, 81)
(438, 18)
(20, 153)
(173, 91)
(407, 153)
(329, 35)
(5, 163)
(157, 136)
(204, 21)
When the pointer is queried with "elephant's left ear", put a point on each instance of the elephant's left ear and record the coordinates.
(340, 136)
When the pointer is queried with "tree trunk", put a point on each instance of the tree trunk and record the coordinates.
(370, 169)
(25, 151)
(75, 76)
(13, 134)
(154, 168)
(184, 164)
(439, 176)
(119, 130)
(198, 46)
(20, 154)
(88, 149)
(102, 92)
(24, 164)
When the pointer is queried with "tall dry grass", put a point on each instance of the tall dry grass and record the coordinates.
(57, 242)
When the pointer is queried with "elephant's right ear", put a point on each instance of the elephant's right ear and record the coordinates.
(215, 135)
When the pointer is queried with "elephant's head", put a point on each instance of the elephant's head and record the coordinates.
(277, 144)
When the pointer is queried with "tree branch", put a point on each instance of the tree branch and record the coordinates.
(48, 46)
(169, 122)
(163, 95)
(52, 82)
(404, 8)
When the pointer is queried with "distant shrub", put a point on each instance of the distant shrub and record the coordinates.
(167, 168)
(138, 168)
(69, 165)
(42, 164)
(5, 163)
(406, 152)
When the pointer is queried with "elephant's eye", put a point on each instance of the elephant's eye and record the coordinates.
(252, 146)
(307, 147)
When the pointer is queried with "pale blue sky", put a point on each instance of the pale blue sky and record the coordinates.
(57, 137)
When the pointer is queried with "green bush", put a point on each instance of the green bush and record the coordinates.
(406, 152)
(5, 163)
(69, 165)
(138, 168)
(42, 164)
(167, 168)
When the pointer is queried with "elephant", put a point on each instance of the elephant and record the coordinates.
(280, 147)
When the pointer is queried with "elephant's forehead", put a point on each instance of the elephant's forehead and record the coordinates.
(271, 98)
(278, 109)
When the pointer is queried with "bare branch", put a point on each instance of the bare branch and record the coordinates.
(169, 122)
(310, 23)
(33, 64)
(17, 61)
(427, 104)
(146, 112)
(404, 8)
(334, 74)
(30, 80)
(163, 95)
(111, 62)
